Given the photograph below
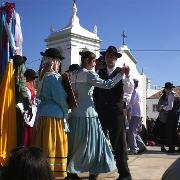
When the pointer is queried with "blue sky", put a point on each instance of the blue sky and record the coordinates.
(148, 24)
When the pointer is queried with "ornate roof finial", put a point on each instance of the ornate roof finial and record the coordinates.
(95, 30)
(123, 36)
(52, 30)
(74, 9)
(74, 19)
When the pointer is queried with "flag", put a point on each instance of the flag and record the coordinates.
(7, 114)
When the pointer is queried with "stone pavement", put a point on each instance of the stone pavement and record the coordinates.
(148, 166)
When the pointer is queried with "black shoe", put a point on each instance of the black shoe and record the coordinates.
(93, 176)
(72, 176)
(134, 152)
(124, 178)
(178, 150)
(171, 150)
(142, 150)
(163, 149)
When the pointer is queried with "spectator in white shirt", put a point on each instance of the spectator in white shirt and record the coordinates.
(136, 144)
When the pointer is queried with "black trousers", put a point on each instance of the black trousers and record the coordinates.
(112, 119)
(171, 130)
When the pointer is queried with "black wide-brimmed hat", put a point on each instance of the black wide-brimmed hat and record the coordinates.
(17, 60)
(169, 85)
(73, 67)
(52, 53)
(113, 50)
(30, 73)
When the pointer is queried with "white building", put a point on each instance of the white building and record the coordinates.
(152, 102)
(153, 95)
(152, 89)
(73, 38)
(129, 60)
(152, 107)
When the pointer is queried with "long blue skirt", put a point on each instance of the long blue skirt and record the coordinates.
(88, 148)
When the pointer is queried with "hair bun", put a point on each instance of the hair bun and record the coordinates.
(81, 53)
(87, 55)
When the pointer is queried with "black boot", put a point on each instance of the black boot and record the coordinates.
(72, 176)
(124, 178)
(163, 149)
(178, 150)
(171, 150)
(93, 176)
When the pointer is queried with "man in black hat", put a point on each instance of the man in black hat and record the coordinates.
(172, 107)
(109, 105)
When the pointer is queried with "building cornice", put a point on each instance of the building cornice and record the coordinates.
(56, 36)
(125, 49)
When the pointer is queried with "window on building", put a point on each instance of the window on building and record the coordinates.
(155, 107)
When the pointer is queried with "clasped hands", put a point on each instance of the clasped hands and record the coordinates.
(125, 70)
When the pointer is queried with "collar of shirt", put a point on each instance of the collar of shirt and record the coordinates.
(173, 92)
(110, 70)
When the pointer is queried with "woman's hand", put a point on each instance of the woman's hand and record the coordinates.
(126, 70)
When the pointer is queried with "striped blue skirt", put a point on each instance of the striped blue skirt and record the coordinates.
(88, 148)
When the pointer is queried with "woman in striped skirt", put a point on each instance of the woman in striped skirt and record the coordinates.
(49, 133)
(88, 148)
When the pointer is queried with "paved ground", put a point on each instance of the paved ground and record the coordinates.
(148, 166)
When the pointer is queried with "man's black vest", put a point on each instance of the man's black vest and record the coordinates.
(109, 98)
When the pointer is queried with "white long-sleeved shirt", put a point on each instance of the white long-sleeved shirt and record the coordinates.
(128, 85)
(134, 104)
(170, 104)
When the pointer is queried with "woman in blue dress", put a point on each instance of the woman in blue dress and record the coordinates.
(88, 149)
(49, 134)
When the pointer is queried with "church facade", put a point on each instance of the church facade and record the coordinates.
(73, 38)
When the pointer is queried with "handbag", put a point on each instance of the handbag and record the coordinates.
(71, 99)
(163, 116)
